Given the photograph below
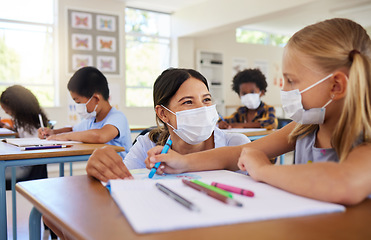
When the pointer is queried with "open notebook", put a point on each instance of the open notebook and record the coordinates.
(149, 210)
(31, 142)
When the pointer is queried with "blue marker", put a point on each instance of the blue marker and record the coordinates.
(164, 150)
(221, 117)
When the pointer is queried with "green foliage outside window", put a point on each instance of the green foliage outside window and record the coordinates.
(259, 37)
(147, 53)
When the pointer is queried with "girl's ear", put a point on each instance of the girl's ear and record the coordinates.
(162, 113)
(262, 93)
(340, 85)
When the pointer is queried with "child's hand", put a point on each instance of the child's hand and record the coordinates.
(253, 161)
(105, 164)
(171, 162)
(44, 132)
(224, 125)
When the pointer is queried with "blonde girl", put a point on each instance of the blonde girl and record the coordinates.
(327, 73)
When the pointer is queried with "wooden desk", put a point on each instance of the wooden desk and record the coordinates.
(89, 212)
(11, 156)
(6, 133)
(258, 133)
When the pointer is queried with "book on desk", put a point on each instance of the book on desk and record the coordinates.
(148, 210)
(37, 143)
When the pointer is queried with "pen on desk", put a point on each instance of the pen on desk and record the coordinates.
(212, 193)
(157, 165)
(218, 190)
(177, 197)
(229, 188)
(42, 147)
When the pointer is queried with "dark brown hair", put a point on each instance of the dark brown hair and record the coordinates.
(164, 88)
(24, 107)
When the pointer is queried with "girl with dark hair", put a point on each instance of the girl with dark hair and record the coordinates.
(24, 108)
(184, 112)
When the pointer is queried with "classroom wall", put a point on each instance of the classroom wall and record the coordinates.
(226, 44)
(136, 116)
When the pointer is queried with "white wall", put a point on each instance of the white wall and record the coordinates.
(225, 43)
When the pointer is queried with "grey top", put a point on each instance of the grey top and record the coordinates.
(307, 152)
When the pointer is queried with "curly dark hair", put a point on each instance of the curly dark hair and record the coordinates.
(24, 107)
(249, 75)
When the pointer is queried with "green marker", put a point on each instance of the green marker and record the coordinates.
(215, 189)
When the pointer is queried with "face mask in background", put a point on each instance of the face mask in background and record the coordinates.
(195, 125)
(293, 107)
(83, 111)
(251, 100)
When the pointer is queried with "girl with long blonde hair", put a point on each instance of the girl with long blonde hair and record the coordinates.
(327, 82)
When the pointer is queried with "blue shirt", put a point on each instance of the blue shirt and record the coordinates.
(114, 118)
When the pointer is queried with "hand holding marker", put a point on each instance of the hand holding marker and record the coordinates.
(157, 165)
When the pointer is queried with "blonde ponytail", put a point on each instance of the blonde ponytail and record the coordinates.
(355, 121)
(337, 44)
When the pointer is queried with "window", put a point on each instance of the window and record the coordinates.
(147, 53)
(27, 47)
(259, 37)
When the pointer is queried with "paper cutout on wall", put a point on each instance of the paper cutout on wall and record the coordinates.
(81, 60)
(82, 42)
(106, 44)
(238, 65)
(81, 20)
(106, 23)
(106, 63)
(263, 66)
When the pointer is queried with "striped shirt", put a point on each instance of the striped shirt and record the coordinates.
(265, 115)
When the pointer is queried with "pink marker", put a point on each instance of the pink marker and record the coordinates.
(233, 189)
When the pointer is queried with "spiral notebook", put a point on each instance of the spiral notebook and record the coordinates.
(149, 210)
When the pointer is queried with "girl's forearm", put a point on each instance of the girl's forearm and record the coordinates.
(327, 181)
(219, 158)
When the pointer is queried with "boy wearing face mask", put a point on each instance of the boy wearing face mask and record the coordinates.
(101, 122)
(250, 85)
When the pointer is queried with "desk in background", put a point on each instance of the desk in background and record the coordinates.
(6, 133)
(89, 212)
(11, 156)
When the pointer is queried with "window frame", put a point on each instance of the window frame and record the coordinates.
(139, 35)
(54, 67)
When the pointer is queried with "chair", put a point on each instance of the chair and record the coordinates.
(281, 123)
(143, 132)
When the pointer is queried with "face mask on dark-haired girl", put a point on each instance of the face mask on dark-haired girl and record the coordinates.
(195, 125)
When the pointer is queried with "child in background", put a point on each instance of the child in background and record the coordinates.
(102, 123)
(250, 85)
(184, 113)
(24, 108)
(327, 95)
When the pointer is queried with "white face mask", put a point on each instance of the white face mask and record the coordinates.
(251, 100)
(83, 111)
(195, 125)
(293, 107)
